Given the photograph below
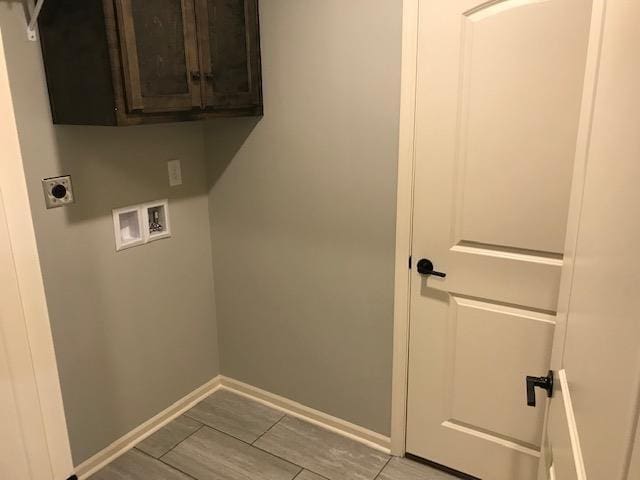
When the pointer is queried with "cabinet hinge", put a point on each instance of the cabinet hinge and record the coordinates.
(409, 262)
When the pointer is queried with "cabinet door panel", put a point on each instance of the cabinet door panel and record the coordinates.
(230, 50)
(159, 52)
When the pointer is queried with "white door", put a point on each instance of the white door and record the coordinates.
(24, 453)
(34, 444)
(14, 462)
(593, 415)
(499, 86)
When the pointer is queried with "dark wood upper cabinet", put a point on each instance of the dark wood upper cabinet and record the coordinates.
(230, 52)
(159, 54)
(125, 62)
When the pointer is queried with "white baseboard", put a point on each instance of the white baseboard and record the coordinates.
(128, 441)
(324, 420)
(295, 409)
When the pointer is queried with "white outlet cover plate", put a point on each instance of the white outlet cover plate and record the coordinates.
(48, 184)
(175, 173)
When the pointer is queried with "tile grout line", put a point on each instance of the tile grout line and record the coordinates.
(186, 414)
(289, 461)
(268, 430)
(250, 444)
(311, 471)
(255, 447)
(297, 474)
(176, 468)
(383, 467)
(205, 425)
(277, 456)
(202, 425)
(159, 460)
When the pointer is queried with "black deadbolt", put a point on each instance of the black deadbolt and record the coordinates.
(545, 383)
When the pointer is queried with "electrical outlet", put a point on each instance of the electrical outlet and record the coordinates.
(58, 191)
(175, 173)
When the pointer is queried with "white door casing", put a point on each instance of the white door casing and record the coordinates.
(498, 92)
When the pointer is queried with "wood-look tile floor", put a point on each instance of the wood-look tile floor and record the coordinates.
(230, 437)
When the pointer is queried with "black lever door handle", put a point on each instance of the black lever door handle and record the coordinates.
(425, 267)
(546, 383)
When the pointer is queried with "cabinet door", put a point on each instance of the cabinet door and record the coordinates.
(159, 55)
(230, 52)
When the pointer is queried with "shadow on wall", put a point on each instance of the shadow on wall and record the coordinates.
(235, 132)
(113, 167)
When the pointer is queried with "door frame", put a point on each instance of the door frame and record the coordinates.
(404, 226)
(31, 358)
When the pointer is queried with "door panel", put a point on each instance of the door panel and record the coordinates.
(517, 278)
(230, 50)
(515, 134)
(160, 57)
(497, 104)
(523, 335)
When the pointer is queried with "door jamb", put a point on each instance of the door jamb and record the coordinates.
(404, 215)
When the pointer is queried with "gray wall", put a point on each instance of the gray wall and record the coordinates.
(134, 331)
(303, 210)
